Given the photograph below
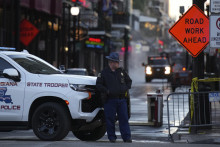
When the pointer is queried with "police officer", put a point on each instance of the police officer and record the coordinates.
(115, 82)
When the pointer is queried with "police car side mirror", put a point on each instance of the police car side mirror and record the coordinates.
(11, 73)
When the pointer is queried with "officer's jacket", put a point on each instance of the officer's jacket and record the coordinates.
(114, 84)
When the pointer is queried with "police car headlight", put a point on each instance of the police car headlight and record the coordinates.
(78, 87)
(84, 88)
(167, 70)
(148, 70)
(81, 87)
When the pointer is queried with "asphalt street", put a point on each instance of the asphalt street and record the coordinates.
(96, 144)
(141, 131)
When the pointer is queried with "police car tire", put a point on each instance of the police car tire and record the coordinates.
(91, 135)
(61, 122)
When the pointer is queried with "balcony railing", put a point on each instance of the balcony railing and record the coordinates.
(121, 18)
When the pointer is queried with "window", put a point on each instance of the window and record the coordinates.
(34, 65)
(76, 72)
(4, 65)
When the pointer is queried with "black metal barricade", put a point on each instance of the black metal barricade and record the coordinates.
(193, 110)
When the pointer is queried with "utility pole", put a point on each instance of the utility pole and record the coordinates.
(208, 63)
(198, 62)
(201, 103)
(182, 10)
(126, 40)
(17, 25)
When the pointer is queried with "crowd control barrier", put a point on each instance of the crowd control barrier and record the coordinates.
(194, 109)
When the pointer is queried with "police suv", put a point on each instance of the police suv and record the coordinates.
(157, 67)
(35, 95)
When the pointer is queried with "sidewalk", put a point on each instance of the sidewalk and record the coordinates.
(201, 137)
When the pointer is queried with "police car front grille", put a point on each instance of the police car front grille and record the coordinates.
(158, 70)
(89, 105)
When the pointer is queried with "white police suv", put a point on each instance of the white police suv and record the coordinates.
(35, 95)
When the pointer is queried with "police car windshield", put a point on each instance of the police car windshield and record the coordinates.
(34, 65)
(158, 62)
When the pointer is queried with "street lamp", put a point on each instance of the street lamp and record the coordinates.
(75, 12)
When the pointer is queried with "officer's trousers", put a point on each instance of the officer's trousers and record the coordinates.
(119, 106)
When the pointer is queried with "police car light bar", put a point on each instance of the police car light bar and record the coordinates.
(7, 48)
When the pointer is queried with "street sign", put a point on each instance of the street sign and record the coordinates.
(214, 97)
(192, 31)
(215, 6)
(215, 31)
(27, 32)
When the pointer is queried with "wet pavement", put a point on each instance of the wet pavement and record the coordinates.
(141, 129)
(140, 126)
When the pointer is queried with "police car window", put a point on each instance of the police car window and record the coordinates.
(75, 72)
(34, 65)
(4, 65)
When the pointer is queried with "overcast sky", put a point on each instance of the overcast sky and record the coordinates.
(175, 5)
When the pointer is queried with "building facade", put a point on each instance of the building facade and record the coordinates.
(33, 25)
(47, 29)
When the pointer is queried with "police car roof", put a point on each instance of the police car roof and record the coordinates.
(12, 53)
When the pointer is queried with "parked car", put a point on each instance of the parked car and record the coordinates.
(157, 67)
(180, 75)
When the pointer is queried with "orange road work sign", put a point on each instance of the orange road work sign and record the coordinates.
(192, 31)
(27, 32)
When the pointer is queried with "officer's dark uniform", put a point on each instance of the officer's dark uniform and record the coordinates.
(115, 84)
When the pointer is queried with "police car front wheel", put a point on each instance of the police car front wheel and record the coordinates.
(50, 123)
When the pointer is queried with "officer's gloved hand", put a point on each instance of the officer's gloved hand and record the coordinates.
(114, 93)
(103, 97)
(108, 92)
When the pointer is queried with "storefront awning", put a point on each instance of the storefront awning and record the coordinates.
(103, 33)
(147, 19)
(121, 26)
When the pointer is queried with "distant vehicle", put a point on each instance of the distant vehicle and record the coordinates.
(157, 67)
(76, 71)
(180, 75)
(62, 68)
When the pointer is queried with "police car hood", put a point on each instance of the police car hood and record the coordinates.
(77, 79)
(74, 79)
